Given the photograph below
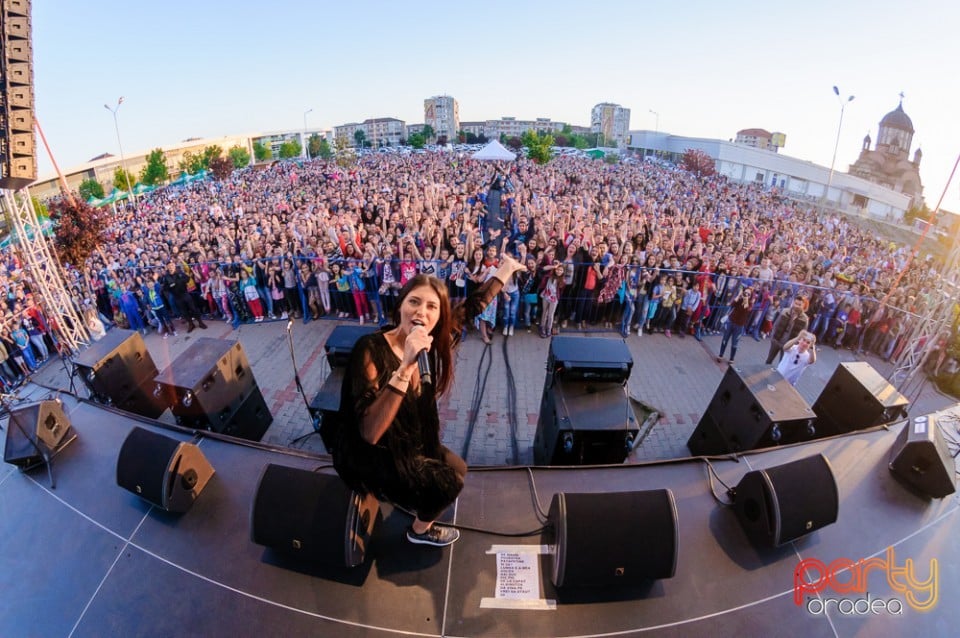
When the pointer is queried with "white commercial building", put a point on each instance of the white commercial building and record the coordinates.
(795, 178)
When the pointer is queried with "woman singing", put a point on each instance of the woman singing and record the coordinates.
(387, 437)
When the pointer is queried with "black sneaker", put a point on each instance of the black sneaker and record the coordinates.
(437, 536)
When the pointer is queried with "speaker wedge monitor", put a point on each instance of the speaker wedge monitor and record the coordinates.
(33, 430)
(753, 407)
(119, 370)
(613, 538)
(920, 458)
(341, 341)
(312, 516)
(780, 504)
(855, 398)
(163, 471)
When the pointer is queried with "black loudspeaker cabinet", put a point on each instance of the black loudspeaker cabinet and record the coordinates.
(921, 460)
(753, 407)
(312, 516)
(207, 383)
(613, 538)
(588, 359)
(857, 397)
(45, 423)
(251, 420)
(326, 405)
(339, 344)
(780, 504)
(166, 472)
(119, 370)
(584, 423)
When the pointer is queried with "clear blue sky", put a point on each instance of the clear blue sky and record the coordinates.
(205, 68)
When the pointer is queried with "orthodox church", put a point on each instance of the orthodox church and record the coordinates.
(888, 164)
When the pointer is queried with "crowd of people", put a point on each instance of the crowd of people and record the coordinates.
(632, 247)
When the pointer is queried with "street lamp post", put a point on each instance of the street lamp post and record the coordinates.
(656, 127)
(836, 145)
(123, 160)
(304, 149)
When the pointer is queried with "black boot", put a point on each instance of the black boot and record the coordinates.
(190, 327)
(201, 324)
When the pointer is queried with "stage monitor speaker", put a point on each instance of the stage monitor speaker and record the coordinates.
(613, 538)
(753, 407)
(584, 423)
(312, 516)
(119, 370)
(18, 161)
(921, 460)
(780, 504)
(855, 398)
(588, 359)
(207, 383)
(166, 472)
(341, 341)
(250, 420)
(326, 405)
(44, 422)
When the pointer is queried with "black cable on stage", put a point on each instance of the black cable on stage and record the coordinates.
(541, 515)
(512, 407)
(479, 530)
(478, 389)
(711, 473)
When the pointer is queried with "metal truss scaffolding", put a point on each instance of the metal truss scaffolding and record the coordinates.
(924, 333)
(44, 269)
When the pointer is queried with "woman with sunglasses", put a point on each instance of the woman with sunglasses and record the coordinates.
(798, 354)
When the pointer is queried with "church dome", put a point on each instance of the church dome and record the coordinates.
(897, 119)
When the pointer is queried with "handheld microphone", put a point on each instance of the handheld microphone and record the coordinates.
(423, 364)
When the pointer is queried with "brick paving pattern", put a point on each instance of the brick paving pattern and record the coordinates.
(676, 377)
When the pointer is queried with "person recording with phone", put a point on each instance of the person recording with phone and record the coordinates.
(386, 437)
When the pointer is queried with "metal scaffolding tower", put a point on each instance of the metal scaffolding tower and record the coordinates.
(44, 268)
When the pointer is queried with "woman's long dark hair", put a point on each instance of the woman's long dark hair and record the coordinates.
(442, 349)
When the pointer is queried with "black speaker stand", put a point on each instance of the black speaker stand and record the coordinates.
(69, 367)
(314, 416)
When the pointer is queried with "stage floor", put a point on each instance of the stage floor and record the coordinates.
(91, 559)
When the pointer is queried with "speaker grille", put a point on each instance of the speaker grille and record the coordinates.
(617, 538)
(143, 462)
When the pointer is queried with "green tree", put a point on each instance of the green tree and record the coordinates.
(155, 172)
(417, 140)
(290, 149)
(313, 145)
(345, 155)
(538, 146)
(324, 150)
(209, 153)
(91, 188)
(261, 152)
(39, 207)
(191, 163)
(515, 143)
(611, 158)
(123, 179)
(359, 138)
(917, 212)
(239, 156)
(428, 132)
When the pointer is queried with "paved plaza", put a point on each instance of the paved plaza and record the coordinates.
(676, 377)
